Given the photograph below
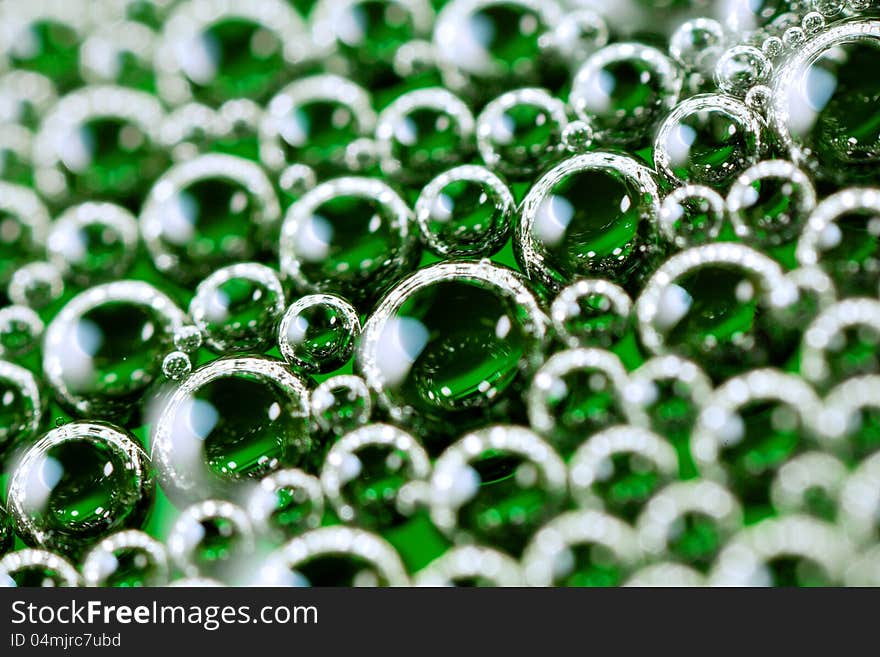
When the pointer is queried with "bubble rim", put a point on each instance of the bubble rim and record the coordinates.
(322, 87)
(120, 440)
(274, 303)
(508, 281)
(127, 291)
(668, 79)
(183, 484)
(494, 236)
(373, 435)
(530, 253)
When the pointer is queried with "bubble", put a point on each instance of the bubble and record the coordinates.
(120, 52)
(213, 538)
(841, 342)
(230, 421)
(79, 483)
(105, 347)
(623, 90)
(793, 550)
(829, 8)
(744, 16)
(577, 137)
(689, 522)
(287, 503)
(740, 68)
(334, 556)
(758, 98)
(297, 179)
(20, 331)
(666, 574)
(794, 38)
(696, 43)
(849, 422)
(318, 333)
(449, 344)
(362, 155)
(496, 486)
(24, 226)
(351, 236)
(708, 140)
(126, 559)
(16, 151)
(25, 97)
(470, 565)
(691, 215)
(423, 132)
(520, 131)
(366, 35)
(816, 292)
(842, 237)
(32, 568)
(341, 404)
(176, 365)
(859, 500)
(717, 304)
(35, 285)
(770, 202)
(486, 45)
(212, 51)
(822, 102)
(590, 216)
(620, 468)
(22, 406)
(671, 391)
(234, 131)
(466, 211)
(414, 59)
(813, 22)
(578, 34)
(206, 213)
(312, 120)
(576, 393)
(188, 339)
(189, 129)
(365, 470)
(772, 47)
(238, 307)
(751, 425)
(810, 483)
(93, 242)
(581, 548)
(99, 142)
(591, 312)
(45, 37)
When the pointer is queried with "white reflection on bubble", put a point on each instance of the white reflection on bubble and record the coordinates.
(401, 342)
(199, 57)
(674, 304)
(178, 217)
(312, 240)
(807, 99)
(678, 145)
(39, 488)
(75, 149)
(552, 219)
(295, 128)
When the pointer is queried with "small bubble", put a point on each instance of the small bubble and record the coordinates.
(176, 365)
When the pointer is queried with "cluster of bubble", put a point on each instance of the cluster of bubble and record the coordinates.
(496, 292)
